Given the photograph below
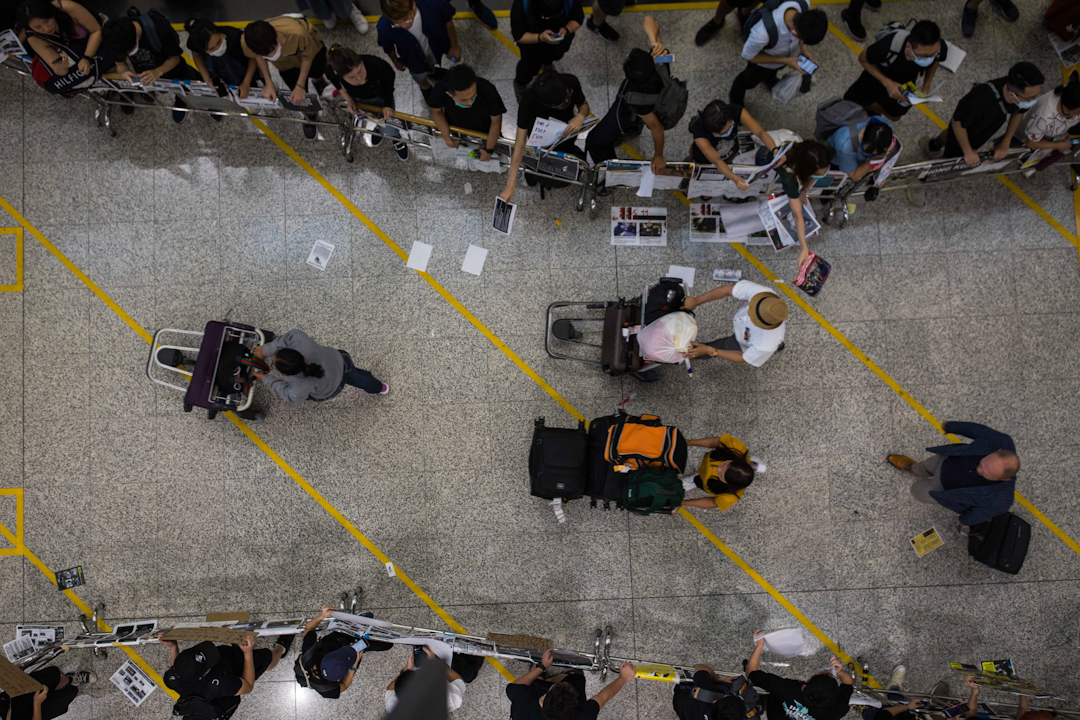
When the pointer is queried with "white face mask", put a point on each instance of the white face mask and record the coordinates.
(220, 51)
(1025, 104)
(275, 56)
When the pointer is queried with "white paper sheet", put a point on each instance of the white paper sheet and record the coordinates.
(953, 58)
(133, 682)
(19, 648)
(487, 166)
(320, 254)
(545, 132)
(741, 220)
(419, 256)
(785, 642)
(474, 260)
(647, 181)
(40, 635)
(638, 226)
(623, 172)
(686, 274)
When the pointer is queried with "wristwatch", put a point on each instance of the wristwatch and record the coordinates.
(540, 665)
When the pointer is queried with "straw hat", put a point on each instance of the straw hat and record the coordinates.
(767, 310)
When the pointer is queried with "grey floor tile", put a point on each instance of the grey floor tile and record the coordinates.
(188, 252)
(56, 193)
(253, 247)
(923, 283)
(119, 254)
(129, 195)
(251, 178)
(300, 236)
(187, 188)
(1056, 289)
(981, 283)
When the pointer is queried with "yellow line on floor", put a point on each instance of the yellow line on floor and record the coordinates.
(16, 286)
(255, 438)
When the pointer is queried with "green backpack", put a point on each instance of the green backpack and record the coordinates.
(653, 490)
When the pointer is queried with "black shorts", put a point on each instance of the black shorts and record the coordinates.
(318, 68)
(867, 90)
(261, 659)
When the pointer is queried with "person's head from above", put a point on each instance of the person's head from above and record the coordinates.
(262, 39)
(808, 160)
(44, 18)
(195, 662)
(716, 119)
(400, 13)
(560, 702)
(205, 38)
(461, 85)
(639, 66)
(923, 43)
(1023, 85)
(290, 362)
(1069, 97)
(767, 310)
(1037, 715)
(999, 465)
(811, 26)
(730, 707)
(547, 9)
(735, 471)
(347, 64)
(877, 137)
(553, 91)
(120, 38)
(822, 690)
(335, 665)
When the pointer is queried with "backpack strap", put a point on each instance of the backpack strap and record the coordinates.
(149, 29)
(770, 22)
(896, 46)
(640, 98)
(997, 96)
(853, 136)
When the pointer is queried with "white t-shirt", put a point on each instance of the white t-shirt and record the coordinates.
(1042, 121)
(455, 693)
(787, 45)
(417, 31)
(758, 344)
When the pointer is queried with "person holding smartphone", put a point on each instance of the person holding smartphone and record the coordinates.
(455, 684)
(328, 664)
(777, 35)
(543, 31)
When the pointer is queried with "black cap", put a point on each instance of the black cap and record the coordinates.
(194, 663)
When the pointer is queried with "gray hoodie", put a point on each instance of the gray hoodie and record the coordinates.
(297, 388)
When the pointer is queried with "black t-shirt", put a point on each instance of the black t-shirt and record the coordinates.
(901, 69)
(221, 681)
(726, 147)
(525, 704)
(983, 111)
(379, 82)
(234, 48)
(147, 58)
(786, 700)
(959, 472)
(687, 708)
(522, 22)
(488, 104)
(531, 108)
(310, 640)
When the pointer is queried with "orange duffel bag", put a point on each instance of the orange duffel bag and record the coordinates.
(639, 442)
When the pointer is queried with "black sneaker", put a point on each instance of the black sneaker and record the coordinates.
(967, 21)
(216, 118)
(402, 150)
(285, 641)
(483, 14)
(310, 131)
(1006, 9)
(179, 116)
(707, 30)
(375, 138)
(606, 32)
(854, 24)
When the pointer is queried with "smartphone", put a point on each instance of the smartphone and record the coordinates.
(1074, 141)
(664, 59)
(557, 38)
(807, 65)
(360, 645)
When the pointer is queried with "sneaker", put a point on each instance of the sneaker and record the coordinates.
(926, 144)
(605, 31)
(385, 387)
(215, 118)
(854, 24)
(916, 195)
(402, 153)
(896, 682)
(358, 20)
(374, 138)
(310, 131)
(179, 116)
(901, 462)
(705, 33)
(285, 641)
(483, 14)
(1006, 9)
(331, 23)
(964, 530)
(688, 483)
(759, 464)
(82, 677)
(967, 21)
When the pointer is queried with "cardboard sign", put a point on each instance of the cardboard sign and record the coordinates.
(14, 681)
(213, 634)
(229, 616)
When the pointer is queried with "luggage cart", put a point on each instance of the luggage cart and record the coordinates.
(200, 364)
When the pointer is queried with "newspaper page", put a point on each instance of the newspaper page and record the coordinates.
(636, 226)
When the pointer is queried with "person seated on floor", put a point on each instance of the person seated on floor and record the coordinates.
(369, 80)
(66, 36)
(725, 472)
(328, 664)
(57, 692)
(824, 696)
(296, 49)
(219, 674)
(714, 698)
(218, 53)
(469, 102)
(853, 155)
(456, 681)
(715, 130)
(146, 49)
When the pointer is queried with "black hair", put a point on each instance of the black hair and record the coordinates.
(1024, 75)
(812, 26)
(561, 702)
(806, 158)
(261, 37)
(639, 66)
(547, 8)
(822, 691)
(739, 474)
(45, 10)
(1070, 94)
(396, 10)
(118, 38)
(199, 32)
(925, 32)
(730, 707)
(716, 116)
(342, 59)
(877, 137)
(551, 89)
(460, 78)
(402, 680)
(291, 362)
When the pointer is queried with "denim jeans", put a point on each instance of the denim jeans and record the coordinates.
(356, 377)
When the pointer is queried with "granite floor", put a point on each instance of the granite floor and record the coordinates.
(968, 303)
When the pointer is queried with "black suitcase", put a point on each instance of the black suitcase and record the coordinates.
(1001, 543)
(603, 483)
(557, 460)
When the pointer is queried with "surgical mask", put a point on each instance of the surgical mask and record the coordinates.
(924, 61)
(730, 131)
(220, 51)
(1025, 104)
(275, 56)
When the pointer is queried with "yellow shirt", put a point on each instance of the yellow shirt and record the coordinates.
(708, 471)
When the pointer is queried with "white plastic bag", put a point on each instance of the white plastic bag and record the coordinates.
(667, 337)
(788, 87)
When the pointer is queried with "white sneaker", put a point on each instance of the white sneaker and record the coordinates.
(896, 682)
(329, 92)
(688, 483)
(331, 23)
(358, 20)
(759, 464)
(385, 389)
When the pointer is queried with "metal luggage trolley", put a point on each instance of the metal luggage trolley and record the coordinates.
(202, 389)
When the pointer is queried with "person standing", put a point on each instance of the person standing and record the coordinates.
(66, 37)
(716, 137)
(852, 16)
(58, 691)
(469, 102)
(1005, 8)
(742, 10)
(853, 155)
(785, 30)
(312, 371)
(369, 80)
(219, 673)
(976, 480)
(416, 36)
(724, 474)
(330, 10)
(456, 683)
(824, 696)
(563, 696)
(543, 31)
(759, 325)
(219, 56)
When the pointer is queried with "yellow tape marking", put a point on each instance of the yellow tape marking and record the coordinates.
(18, 285)
(16, 538)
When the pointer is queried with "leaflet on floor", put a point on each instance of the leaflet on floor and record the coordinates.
(924, 542)
(40, 635)
(634, 226)
(419, 256)
(474, 260)
(686, 274)
(133, 682)
(67, 579)
(502, 219)
(19, 648)
(953, 57)
(545, 132)
(707, 222)
(320, 254)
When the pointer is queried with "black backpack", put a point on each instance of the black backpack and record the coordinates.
(557, 462)
(194, 707)
(739, 687)
(899, 32)
(669, 104)
(325, 645)
(146, 20)
(765, 14)
(1001, 542)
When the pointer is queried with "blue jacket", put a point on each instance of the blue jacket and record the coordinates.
(976, 504)
(434, 15)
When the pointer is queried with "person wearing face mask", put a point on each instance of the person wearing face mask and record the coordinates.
(416, 34)
(775, 35)
(297, 51)
(66, 38)
(543, 31)
(715, 131)
(469, 102)
(219, 56)
(725, 472)
(824, 696)
(852, 155)
(369, 80)
(553, 95)
(1054, 117)
(893, 61)
(981, 113)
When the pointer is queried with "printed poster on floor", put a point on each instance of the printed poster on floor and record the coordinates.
(133, 682)
(19, 648)
(639, 227)
(40, 635)
(720, 222)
